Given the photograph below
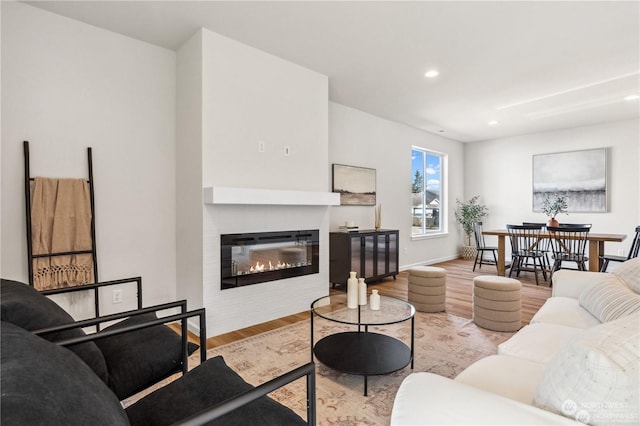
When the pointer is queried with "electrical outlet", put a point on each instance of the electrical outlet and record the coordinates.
(117, 296)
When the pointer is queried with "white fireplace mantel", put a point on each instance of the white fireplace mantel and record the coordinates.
(259, 196)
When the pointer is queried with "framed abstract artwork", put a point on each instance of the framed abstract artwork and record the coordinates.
(356, 185)
(581, 176)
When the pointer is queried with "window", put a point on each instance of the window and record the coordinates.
(427, 209)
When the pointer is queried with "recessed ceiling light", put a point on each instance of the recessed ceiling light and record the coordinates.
(631, 97)
(431, 73)
(493, 123)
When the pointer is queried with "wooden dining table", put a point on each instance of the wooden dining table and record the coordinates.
(596, 246)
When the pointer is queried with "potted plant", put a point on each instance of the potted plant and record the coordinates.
(552, 205)
(467, 214)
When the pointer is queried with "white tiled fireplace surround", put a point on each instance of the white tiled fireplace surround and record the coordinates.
(261, 211)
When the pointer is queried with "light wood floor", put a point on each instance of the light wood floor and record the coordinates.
(459, 286)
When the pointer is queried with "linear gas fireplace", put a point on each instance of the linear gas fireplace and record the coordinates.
(267, 256)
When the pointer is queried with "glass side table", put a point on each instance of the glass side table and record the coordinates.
(361, 351)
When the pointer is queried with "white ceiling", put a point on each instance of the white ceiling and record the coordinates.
(533, 66)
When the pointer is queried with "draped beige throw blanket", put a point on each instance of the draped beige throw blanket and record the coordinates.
(61, 222)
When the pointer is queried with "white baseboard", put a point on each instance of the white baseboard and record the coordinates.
(193, 327)
(429, 262)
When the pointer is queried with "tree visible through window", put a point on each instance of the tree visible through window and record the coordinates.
(426, 188)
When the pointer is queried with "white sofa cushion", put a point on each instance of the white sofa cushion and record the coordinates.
(565, 311)
(595, 377)
(610, 300)
(538, 342)
(429, 399)
(511, 377)
(629, 273)
(570, 283)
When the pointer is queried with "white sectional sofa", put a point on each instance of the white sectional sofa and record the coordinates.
(576, 362)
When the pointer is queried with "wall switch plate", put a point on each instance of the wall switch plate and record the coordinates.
(117, 296)
(287, 150)
(260, 146)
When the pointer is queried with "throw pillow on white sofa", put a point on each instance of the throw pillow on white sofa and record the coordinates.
(629, 272)
(595, 377)
(609, 300)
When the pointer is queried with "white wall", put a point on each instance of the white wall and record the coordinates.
(500, 171)
(1, 210)
(67, 86)
(189, 128)
(360, 139)
(249, 96)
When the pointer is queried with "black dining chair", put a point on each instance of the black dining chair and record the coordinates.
(633, 252)
(525, 241)
(569, 244)
(575, 225)
(544, 246)
(482, 248)
(540, 224)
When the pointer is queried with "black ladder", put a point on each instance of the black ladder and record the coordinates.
(27, 193)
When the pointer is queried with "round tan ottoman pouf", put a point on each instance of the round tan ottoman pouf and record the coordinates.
(497, 303)
(427, 288)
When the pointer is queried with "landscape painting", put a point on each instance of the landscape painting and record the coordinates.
(356, 185)
(579, 175)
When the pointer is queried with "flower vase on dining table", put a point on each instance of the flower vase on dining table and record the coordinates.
(552, 205)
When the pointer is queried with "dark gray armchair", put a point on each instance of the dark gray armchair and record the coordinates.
(55, 374)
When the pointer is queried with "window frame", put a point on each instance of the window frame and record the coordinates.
(443, 204)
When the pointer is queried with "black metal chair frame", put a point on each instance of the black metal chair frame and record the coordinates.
(98, 320)
(481, 248)
(633, 253)
(231, 404)
(524, 246)
(569, 244)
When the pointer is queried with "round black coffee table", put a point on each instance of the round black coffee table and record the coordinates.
(361, 351)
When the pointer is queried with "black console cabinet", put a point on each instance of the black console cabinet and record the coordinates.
(372, 254)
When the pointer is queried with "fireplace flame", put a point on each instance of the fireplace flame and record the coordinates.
(262, 267)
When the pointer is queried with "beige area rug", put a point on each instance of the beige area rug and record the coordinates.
(444, 345)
